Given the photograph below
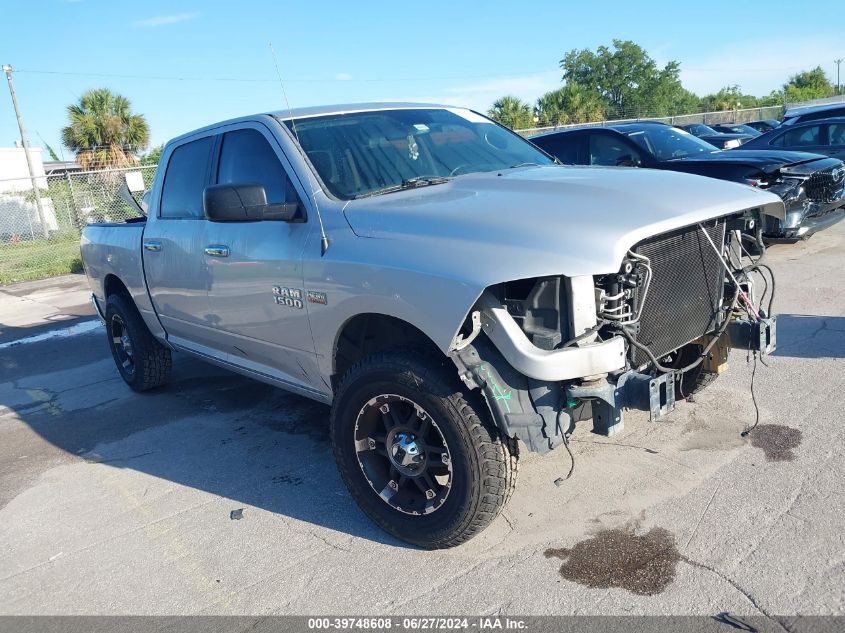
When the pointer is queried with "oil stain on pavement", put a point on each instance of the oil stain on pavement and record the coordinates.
(776, 441)
(643, 565)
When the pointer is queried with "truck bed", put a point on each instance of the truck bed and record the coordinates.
(114, 249)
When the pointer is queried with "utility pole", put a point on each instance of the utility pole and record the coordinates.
(838, 85)
(41, 217)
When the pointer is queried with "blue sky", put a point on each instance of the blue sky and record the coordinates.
(462, 53)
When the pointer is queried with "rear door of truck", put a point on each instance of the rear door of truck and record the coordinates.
(174, 239)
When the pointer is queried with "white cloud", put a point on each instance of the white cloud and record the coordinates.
(343, 77)
(480, 95)
(760, 66)
(162, 20)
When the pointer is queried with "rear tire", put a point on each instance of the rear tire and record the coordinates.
(419, 456)
(141, 360)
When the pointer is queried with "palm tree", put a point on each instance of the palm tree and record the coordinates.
(570, 104)
(103, 132)
(512, 112)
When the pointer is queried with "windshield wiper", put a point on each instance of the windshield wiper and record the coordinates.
(524, 165)
(408, 183)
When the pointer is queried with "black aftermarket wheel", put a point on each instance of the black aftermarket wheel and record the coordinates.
(142, 361)
(418, 455)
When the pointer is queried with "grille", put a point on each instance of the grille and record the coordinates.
(686, 289)
(825, 185)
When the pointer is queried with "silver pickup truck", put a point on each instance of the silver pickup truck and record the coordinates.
(439, 281)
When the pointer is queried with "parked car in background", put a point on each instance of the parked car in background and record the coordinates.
(810, 185)
(719, 140)
(439, 281)
(826, 136)
(813, 113)
(764, 125)
(736, 128)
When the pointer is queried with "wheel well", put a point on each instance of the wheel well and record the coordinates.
(112, 285)
(367, 334)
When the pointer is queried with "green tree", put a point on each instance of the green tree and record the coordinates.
(627, 79)
(728, 98)
(153, 156)
(512, 112)
(570, 104)
(103, 132)
(808, 85)
(774, 98)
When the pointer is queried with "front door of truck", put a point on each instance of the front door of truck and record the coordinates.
(173, 243)
(256, 297)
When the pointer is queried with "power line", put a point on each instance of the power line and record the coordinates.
(273, 80)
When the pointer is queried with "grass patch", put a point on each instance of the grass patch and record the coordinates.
(37, 259)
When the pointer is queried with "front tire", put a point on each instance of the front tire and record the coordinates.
(420, 457)
(142, 361)
(695, 380)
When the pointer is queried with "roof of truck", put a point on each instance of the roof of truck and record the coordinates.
(312, 111)
(345, 108)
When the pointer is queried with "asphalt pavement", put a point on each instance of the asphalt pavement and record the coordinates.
(219, 495)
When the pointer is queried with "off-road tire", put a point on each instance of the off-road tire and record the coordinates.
(151, 359)
(484, 463)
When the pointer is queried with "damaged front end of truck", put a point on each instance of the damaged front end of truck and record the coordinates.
(549, 351)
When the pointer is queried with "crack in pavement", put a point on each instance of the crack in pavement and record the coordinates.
(736, 586)
(704, 512)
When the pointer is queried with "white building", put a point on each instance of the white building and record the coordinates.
(18, 211)
(14, 174)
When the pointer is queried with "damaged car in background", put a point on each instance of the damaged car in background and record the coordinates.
(811, 186)
(439, 281)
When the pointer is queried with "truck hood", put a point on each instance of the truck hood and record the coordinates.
(767, 161)
(551, 219)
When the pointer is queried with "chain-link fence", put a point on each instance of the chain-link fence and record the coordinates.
(39, 229)
(709, 118)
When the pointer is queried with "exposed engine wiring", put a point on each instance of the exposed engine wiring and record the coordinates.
(760, 267)
(757, 265)
(724, 326)
(623, 316)
(565, 435)
(587, 334)
(746, 432)
(745, 300)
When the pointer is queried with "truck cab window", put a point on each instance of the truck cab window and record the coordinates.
(247, 157)
(185, 179)
(609, 151)
(564, 148)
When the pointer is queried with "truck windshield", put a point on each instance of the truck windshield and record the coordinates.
(360, 154)
(665, 142)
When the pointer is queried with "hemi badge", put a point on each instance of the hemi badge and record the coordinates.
(316, 297)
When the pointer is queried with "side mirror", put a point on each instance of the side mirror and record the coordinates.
(244, 203)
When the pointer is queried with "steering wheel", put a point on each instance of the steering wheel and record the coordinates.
(458, 168)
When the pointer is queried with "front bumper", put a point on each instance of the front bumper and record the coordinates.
(548, 365)
(801, 226)
(540, 411)
(804, 215)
